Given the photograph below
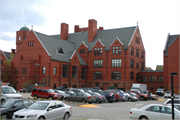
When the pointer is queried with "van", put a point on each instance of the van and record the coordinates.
(9, 92)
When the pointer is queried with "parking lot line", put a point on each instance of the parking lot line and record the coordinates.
(161, 99)
(90, 105)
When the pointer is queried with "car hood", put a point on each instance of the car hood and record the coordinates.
(3, 109)
(28, 112)
(13, 95)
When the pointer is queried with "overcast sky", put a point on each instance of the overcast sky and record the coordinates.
(156, 18)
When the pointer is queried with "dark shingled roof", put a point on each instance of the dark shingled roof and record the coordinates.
(169, 42)
(74, 40)
(7, 54)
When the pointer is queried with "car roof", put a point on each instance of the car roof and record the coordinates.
(48, 101)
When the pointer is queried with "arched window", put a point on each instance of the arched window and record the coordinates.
(97, 75)
(160, 79)
(152, 78)
(132, 76)
(116, 75)
(143, 78)
(137, 76)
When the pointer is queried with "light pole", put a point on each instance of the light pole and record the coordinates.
(172, 95)
(36, 72)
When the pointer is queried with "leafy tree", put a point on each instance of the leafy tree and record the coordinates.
(7, 74)
(160, 68)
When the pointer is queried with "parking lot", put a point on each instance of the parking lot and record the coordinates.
(107, 111)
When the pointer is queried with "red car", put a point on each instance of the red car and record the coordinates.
(45, 92)
(117, 95)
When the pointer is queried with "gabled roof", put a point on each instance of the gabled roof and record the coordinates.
(6, 54)
(106, 37)
(51, 44)
(169, 42)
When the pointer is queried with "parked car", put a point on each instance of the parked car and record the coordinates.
(131, 97)
(168, 94)
(63, 94)
(61, 88)
(177, 106)
(76, 90)
(154, 112)
(153, 96)
(160, 91)
(169, 101)
(99, 98)
(87, 91)
(9, 92)
(110, 97)
(123, 98)
(117, 95)
(68, 92)
(81, 97)
(44, 110)
(144, 95)
(9, 106)
(45, 92)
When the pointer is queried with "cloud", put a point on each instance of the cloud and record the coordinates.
(15, 14)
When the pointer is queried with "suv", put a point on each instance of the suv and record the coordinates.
(160, 91)
(9, 92)
(110, 97)
(45, 92)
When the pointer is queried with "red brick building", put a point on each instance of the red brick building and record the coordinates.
(4, 56)
(88, 57)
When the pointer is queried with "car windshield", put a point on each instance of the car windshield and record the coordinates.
(143, 92)
(168, 92)
(50, 91)
(159, 89)
(38, 106)
(97, 94)
(8, 90)
(7, 103)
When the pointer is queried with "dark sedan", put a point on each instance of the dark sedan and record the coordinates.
(10, 106)
(99, 98)
(63, 94)
(81, 97)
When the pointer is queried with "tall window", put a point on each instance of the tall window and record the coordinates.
(100, 51)
(142, 54)
(16, 70)
(83, 51)
(65, 71)
(80, 51)
(43, 70)
(137, 40)
(152, 78)
(19, 38)
(132, 63)
(95, 51)
(98, 63)
(55, 71)
(97, 75)
(143, 78)
(116, 50)
(142, 66)
(116, 75)
(97, 85)
(24, 37)
(132, 76)
(116, 62)
(137, 52)
(74, 71)
(1, 61)
(137, 65)
(137, 76)
(83, 72)
(160, 79)
(132, 51)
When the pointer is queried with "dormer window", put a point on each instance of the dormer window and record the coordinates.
(59, 50)
(24, 37)
(19, 38)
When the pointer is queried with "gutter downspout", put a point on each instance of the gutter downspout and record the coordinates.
(106, 67)
(87, 68)
(125, 71)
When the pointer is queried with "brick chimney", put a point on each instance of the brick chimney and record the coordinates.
(64, 31)
(92, 30)
(76, 28)
(13, 51)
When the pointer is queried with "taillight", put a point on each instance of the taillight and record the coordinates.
(130, 112)
(100, 96)
(110, 94)
(70, 107)
(89, 97)
(136, 95)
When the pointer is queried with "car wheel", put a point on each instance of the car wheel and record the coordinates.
(50, 97)
(66, 116)
(83, 100)
(129, 99)
(4, 117)
(41, 118)
(99, 102)
(36, 96)
(66, 99)
(141, 98)
(143, 118)
(2, 100)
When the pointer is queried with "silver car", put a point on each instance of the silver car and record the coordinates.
(44, 110)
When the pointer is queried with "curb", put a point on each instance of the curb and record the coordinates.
(89, 106)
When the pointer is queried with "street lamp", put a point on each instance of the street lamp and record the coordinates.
(172, 95)
(36, 72)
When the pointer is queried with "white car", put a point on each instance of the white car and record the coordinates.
(44, 110)
(167, 94)
(169, 101)
(9, 92)
(154, 112)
